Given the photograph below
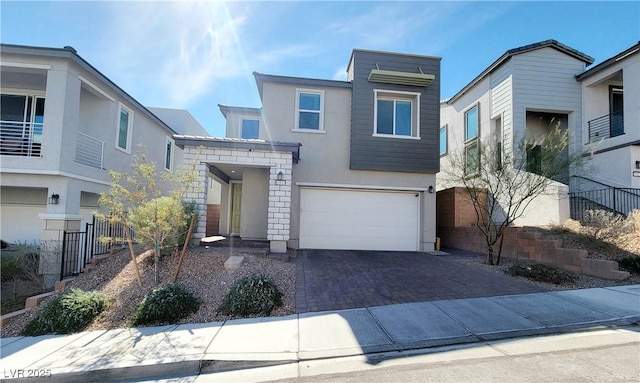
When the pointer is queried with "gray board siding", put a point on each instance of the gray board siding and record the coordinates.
(394, 154)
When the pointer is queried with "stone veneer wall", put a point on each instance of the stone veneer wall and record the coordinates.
(279, 210)
(456, 229)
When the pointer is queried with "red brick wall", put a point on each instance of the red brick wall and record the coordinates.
(456, 228)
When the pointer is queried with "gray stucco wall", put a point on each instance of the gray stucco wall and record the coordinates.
(255, 201)
(393, 154)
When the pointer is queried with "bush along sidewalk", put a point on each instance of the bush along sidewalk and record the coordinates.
(542, 273)
(69, 313)
(166, 304)
(253, 295)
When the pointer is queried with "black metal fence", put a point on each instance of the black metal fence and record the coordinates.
(616, 200)
(79, 247)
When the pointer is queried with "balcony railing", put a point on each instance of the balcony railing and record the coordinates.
(610, 125)
(89, 151)
(19, 138)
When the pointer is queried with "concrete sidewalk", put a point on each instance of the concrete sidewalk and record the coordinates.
(165, 351)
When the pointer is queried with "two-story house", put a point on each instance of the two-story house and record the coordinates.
(330, 164)
(611, 121)
(64, 126)
(521, 96)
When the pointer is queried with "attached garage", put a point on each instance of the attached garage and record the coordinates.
(359, 219)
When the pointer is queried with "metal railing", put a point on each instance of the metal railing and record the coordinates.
(89, 151)
(79, 247)
(607, 126)
(18, 138)
(617, 200)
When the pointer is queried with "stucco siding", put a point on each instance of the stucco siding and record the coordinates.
(255, 202)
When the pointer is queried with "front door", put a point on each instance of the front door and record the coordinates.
(236, 204)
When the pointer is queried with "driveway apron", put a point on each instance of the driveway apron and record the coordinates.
(343, 279)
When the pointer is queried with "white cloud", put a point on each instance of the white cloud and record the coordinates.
(340, 73)
(177, 48)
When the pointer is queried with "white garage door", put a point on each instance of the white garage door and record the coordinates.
(358, 220)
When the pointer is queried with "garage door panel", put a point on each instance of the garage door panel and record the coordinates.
(358, 220)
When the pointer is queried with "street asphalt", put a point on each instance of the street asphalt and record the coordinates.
(374, 334)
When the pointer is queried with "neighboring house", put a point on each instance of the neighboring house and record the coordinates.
(64, 126)
(522, 95)
(611, 122)
(330, 164)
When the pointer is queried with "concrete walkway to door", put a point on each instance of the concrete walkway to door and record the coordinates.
(341, 279)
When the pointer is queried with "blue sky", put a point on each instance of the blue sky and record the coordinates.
(196, 55)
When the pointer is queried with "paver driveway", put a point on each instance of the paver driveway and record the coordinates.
(340, 279)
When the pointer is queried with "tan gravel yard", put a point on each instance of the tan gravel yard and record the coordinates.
(202, 273)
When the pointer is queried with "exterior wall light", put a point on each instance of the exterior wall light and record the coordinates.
(54, 199)
(280, 176)
(430, 189)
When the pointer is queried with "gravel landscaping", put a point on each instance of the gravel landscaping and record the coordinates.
(202, 273)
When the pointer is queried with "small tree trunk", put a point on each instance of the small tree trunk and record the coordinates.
(156, 259)
(133, 254)
(500, 248)
(490, 255)
(184, 247)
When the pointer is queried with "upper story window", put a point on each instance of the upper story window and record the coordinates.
(168, 157)
(21, 124)
(471, 124)
(396, 114)
(309, 110)
(472, 144)
(123, 137)
(443, 140)
(249, 128)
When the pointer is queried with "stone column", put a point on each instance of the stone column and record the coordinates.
(279, 211)
(198, 194)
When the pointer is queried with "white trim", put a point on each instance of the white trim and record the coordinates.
(23, 92)
(95, 88)
(313, 131)
(369, 187)
(321, 111)
(55, 173)
(241, 126)
(396, 136)
(25, 65)
(127, 150)
(395, 95)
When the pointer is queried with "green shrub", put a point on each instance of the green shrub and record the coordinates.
(9, 268)
(68, 313)
(166, 304)
(542, 273)
(631, 264)
(252, 295)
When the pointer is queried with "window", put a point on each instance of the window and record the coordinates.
(123, 139)
(534, 158)
(616, 111)
(443, 140)
(22, 119)
(471, 124)
(250, 128)
(396, 114)
(472, 146)
(309, 105)
(472, 159)
(498, 143)
(168, 158)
